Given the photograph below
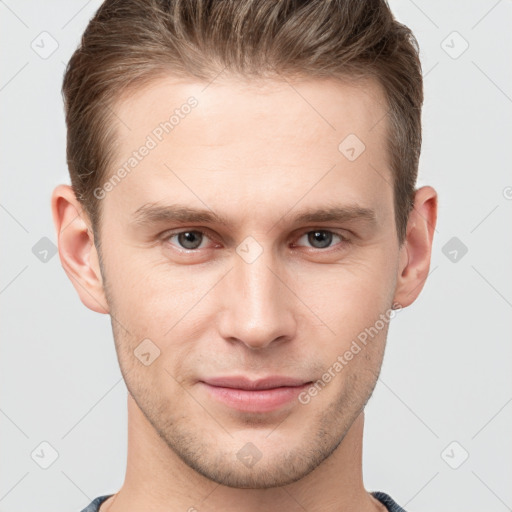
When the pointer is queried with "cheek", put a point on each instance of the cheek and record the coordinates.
(349, 294)
(166, 306)
(145, 287)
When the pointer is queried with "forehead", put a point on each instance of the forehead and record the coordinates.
(323, 107)
(243, 145)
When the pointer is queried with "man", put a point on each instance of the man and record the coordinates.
(243, 206)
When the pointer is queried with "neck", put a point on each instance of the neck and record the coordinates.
(158, 480)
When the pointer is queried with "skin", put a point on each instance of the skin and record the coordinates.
(291, 312)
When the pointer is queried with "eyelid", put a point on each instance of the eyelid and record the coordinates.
(344, 239)
(206, 232)
(169, 234)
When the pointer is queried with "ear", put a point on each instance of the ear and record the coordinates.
(417, 248)
(77, 250)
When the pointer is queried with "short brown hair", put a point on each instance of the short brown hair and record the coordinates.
(129, 43)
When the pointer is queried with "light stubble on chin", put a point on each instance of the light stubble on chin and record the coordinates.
(200, 447)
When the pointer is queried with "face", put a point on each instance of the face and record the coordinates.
(293, 258)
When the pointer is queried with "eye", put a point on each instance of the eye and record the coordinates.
(188, 239)
(194, 239)
(322, 238)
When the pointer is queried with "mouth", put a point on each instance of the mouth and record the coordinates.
(257, 396)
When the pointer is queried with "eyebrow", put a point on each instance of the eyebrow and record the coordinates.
(152, 213)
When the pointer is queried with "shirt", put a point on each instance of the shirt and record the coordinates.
(384, 498)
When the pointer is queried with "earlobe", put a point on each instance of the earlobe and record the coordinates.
(417, 248)
(77, 251)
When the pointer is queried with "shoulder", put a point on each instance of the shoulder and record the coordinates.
(94, 506)
(386, 500)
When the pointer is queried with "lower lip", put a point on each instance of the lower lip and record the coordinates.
(262, 400)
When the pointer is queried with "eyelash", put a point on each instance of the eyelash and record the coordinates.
(344, 240)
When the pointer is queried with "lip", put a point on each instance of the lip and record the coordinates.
(262, 395)
(242, 382)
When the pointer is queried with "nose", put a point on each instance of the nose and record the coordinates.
(257, 303)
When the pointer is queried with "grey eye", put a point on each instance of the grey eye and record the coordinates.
(189, 239)
(320, 239)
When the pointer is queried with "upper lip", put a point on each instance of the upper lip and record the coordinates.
(240, 382)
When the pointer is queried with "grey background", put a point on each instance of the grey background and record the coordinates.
(447, 369)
